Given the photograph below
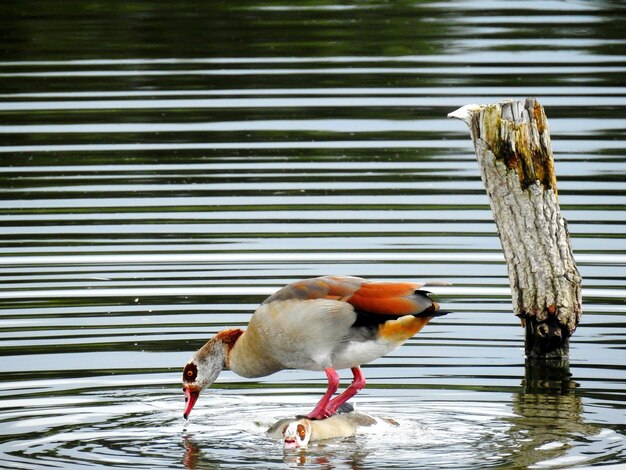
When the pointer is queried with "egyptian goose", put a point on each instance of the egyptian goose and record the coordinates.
(298, 432)
(325, 323)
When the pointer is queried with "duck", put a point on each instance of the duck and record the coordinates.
(319, 324)
(298, 432)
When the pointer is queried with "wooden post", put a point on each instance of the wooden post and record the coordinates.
(514, 152)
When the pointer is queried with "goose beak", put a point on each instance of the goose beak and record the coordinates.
(290, 443)
(191, 396)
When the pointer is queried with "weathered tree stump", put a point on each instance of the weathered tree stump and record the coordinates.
(514, 152)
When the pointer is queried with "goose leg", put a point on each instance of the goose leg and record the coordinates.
(358, 382)
(320, 410)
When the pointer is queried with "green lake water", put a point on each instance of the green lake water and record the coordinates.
(165, 166)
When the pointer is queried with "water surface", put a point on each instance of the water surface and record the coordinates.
(165, 167)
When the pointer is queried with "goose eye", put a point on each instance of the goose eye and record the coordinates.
(190, 373)
(301, 432)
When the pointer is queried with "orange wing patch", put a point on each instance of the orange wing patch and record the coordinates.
(387, 289)
(384, 305)
(387, 298)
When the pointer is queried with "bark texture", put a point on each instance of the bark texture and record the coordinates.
(514, 152)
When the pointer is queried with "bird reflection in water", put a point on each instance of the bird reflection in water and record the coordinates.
(192, 453)
(322, 455)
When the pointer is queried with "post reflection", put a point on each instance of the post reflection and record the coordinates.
(548, 413)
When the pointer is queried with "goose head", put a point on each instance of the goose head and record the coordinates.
(297, 434)
(201, 371)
